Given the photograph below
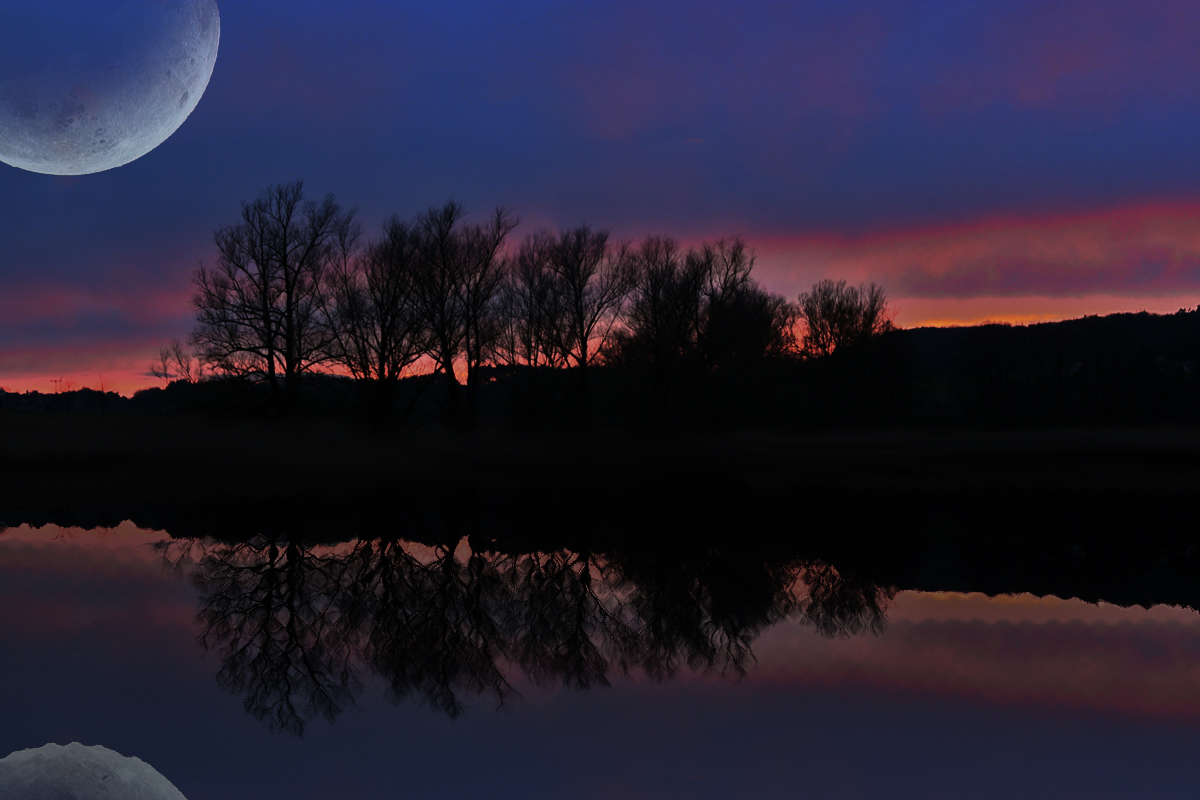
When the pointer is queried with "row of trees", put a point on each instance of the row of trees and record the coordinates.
(297, 288)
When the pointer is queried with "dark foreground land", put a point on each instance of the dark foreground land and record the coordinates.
(1104, 514)
(47, 459)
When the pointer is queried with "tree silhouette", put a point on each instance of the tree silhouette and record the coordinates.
(561, 300)
(592, 279)
(696, 316)
(837, 315)
(377, 332)
(176, 363)
(657, 345)
(531, 327)
(259, 311)
(458, 283)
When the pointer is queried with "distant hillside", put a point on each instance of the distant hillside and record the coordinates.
(1121, 369)
(1118, 369)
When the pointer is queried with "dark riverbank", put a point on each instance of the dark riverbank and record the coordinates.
(48, 458)
(1096, 514)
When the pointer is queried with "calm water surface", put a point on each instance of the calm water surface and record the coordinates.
(939, 695)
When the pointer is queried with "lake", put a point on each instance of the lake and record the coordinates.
(261, 667)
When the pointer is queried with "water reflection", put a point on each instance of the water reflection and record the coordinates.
(294, 625)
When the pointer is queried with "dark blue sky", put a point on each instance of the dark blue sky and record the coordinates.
(896, 141)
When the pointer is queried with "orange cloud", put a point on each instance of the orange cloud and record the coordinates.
(86, 335)
(120, 365)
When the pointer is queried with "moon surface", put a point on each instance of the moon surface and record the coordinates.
(54, 772)
(124, 76)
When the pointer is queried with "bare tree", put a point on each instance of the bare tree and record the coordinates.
(657, 346)
(377, 332)
(176, 363)
(698, 319)
(436, 295)
(532, 312)
(483, 275)
(741, 323)
(561, 301)
(259, 311)
(699, 330)
(837, 315)
(456, 292)
(531, 322)
(593, 281)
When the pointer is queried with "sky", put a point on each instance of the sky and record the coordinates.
(995, 160)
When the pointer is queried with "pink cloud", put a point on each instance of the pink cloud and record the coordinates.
(90, 336)
(65, 304)
(1042, 267)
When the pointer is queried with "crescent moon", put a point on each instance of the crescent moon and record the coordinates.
(99, 109)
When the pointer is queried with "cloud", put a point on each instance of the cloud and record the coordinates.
(1140, 251)
(1144, 270)
(68, 307)
(50, 330)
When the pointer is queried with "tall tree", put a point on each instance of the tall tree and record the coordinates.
(741, 323)
(259, 311)
(377, 332)
(698, 325)
(562, 298)
(593, 280)
(456, 291)
(657, 344)
(532, 309)
(531, 321)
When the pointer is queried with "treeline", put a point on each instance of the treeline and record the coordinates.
(83, 400)
(440, 317)
(1120, 369)
(564, 325)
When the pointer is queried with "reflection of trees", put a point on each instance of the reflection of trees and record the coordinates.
(429, 629)
(294, 624)
(567, 627)
(842, 604)
(703, 612)
(270, 612)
